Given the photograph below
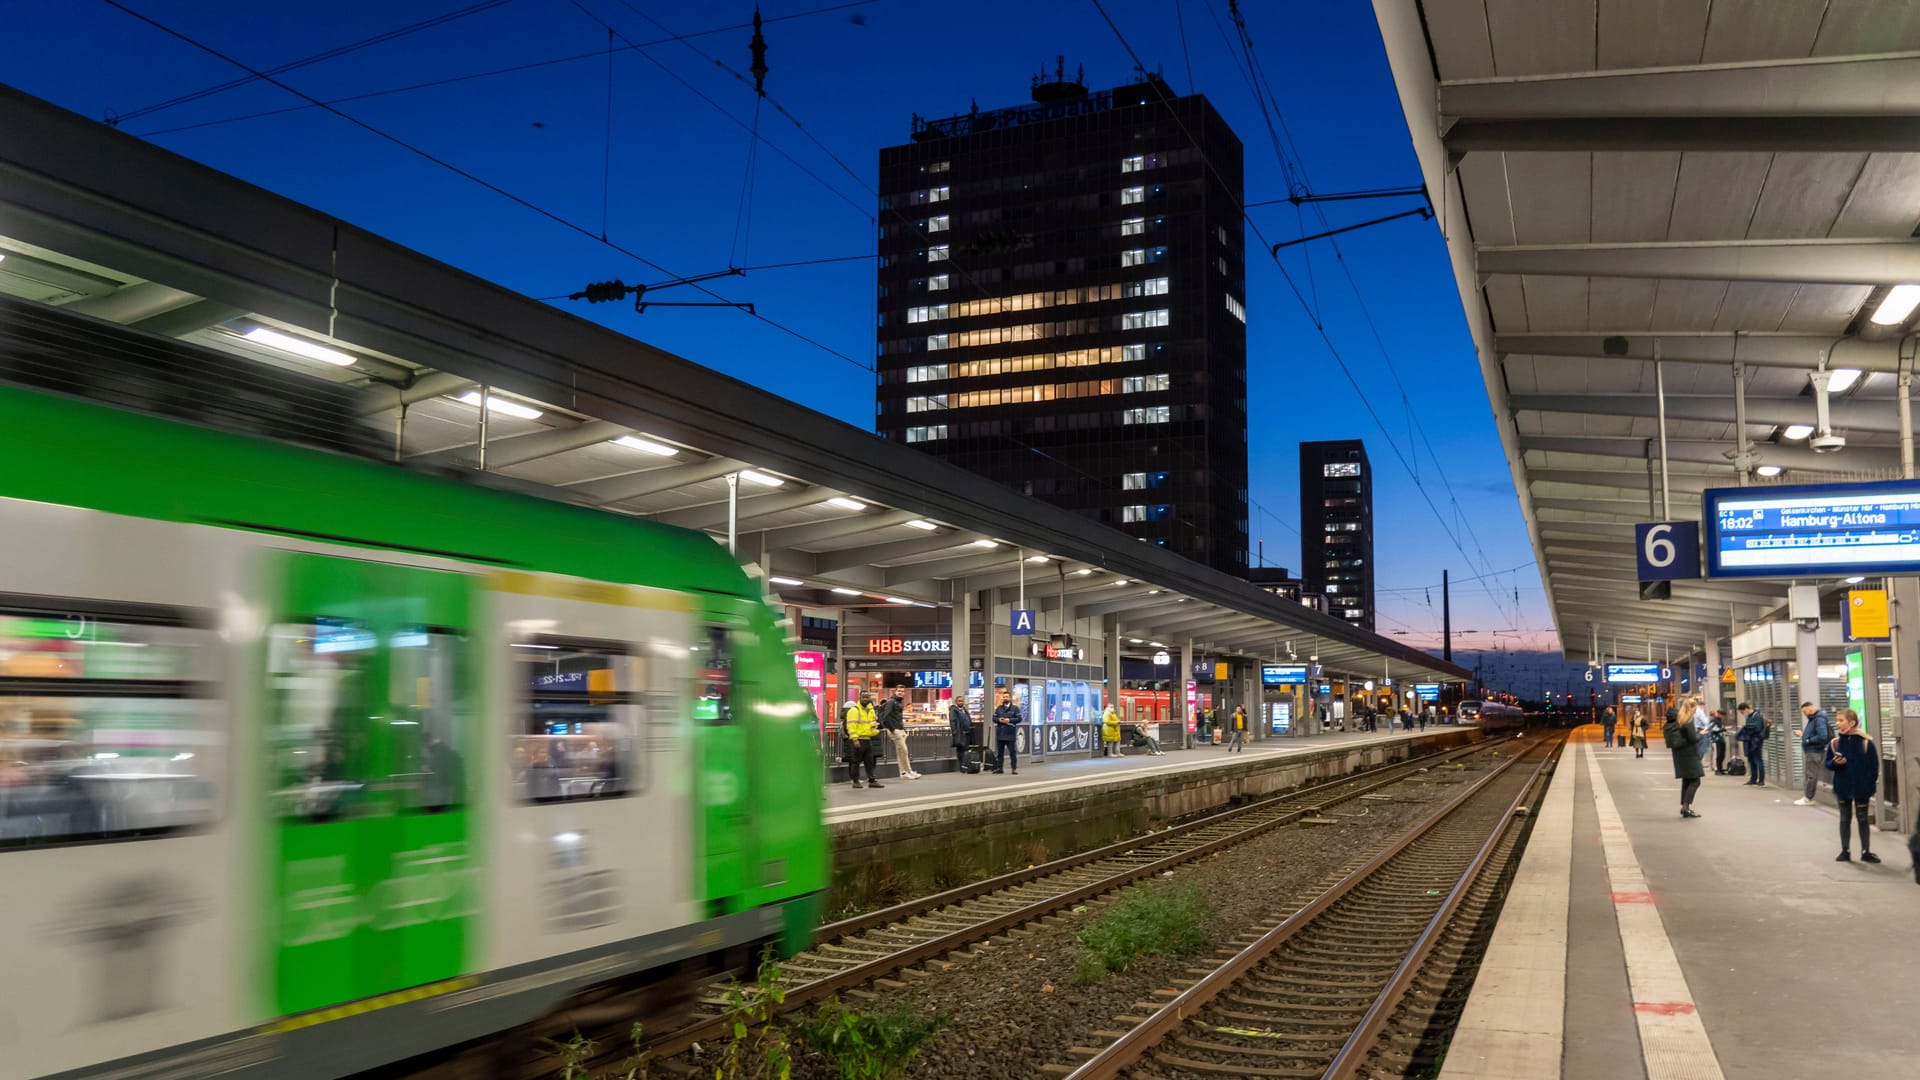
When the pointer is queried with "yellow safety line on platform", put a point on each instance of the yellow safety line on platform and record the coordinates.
(1672, 1037)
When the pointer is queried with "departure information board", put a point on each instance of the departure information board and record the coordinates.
(1633, 673)
(1826, 529)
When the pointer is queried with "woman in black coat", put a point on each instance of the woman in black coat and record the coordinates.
(961, 723)
(1855, 765)
(1684, 743)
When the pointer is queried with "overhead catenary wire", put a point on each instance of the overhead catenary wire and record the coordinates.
(472, 177)
(1318, 324)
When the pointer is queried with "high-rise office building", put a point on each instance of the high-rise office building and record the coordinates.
(1062, 307)
(1336, 527)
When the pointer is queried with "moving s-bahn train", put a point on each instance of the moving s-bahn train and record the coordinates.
(309, 763)
(1493, 715)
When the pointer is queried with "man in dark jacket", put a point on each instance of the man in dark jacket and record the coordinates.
(1006, 730)
(960, 721)
(1608, 719)
(1684, 743)
(1753, 743)
(1814, 736)
(1855, 765)
(1717, 734)
(892, 716)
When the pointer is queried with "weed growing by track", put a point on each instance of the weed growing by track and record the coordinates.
(868, 1046)
(757, 1048)
(1154, 920)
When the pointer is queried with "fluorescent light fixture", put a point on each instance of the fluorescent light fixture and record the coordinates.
(274, 339)
(1133, 641)
(1900, 302)
(986, 543)
(1153, 592)
(1767, 470)
(922, 524)
(786, 581)
(188, 756)
(1843, 380)
(845, 503)
(646, 446)
(496, 403)
(531, 645)
(1122, 581)
(846, 592)
(1082, 572)
(763, 479)
(899, 600)
(1037, 558)
(1157, 644)
(1797, 431)
(1856, 579)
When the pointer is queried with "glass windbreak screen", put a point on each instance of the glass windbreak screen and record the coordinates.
(576, 732)
(317, 682)
(104, 729)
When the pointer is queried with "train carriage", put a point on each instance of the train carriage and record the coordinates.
(309, 764)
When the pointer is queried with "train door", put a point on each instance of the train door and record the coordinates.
(728, 753)
(371, 872)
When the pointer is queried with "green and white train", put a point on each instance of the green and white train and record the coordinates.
(310, 764)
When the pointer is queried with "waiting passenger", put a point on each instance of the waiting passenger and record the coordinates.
(1237, 738)
(862, 731)
(1684, 743)
(1608, 719)
(892, 716)
(1006, 730)
(960, 723)
(1637, 735)
(1754, 730)
(1141, 738)
(1855, 765)
(1109, 731)
(1814, 736)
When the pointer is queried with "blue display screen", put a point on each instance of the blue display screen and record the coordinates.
(1283, 674)
(1813, 529)
(1633, 673)
(1427, 691)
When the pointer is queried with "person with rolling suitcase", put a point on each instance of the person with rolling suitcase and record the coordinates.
(960, 721)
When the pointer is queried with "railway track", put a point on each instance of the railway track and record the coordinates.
(854, 952)
(1363, 981)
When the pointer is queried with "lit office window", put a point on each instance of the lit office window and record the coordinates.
(930, 433)
(1133, 226)
(1139, 320)
(1152, 414)
(938, 223)
(1133, 257)
(940, 166)
(939, 252)
(1133, 513)
(1156, 286)
(1133, 481)
(1134, 384)
(1133, 352)
(939, 281)
(936, 342)
(1136, 163)
(1238, 310)
(927, 403)
(927, 372)
(927, 313)
(939, 194)
(1129, 196)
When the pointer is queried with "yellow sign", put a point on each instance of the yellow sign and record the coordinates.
(1726, 677)
(1220, 671)
(1867, 613)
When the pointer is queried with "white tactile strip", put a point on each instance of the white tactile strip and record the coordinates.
(1671, 1035)
(1515, 1020)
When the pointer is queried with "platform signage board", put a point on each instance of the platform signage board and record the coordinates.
(1813, 529)
(1283, 674)
(1633, 674)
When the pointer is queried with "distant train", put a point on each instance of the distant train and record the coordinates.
(309, 764)
(1493, 715)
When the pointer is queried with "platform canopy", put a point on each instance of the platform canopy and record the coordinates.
(1732, 189)
(99, 224)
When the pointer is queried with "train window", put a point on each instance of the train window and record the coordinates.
(106, 730)
(317, 677)
(583, 708)
(713, 674)
(429, 721)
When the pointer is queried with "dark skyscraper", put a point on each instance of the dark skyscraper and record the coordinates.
(1336, 528)
(1062, 307)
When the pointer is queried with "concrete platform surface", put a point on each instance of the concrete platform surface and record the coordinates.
(1737, 943)
(937, 790)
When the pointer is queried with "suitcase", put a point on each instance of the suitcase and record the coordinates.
(970, 760)
(991, 759)
(1737, 767)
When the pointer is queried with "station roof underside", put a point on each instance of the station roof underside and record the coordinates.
(99, 223)
(1716, 182)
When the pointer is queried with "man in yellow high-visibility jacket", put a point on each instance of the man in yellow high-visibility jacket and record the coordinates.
(861, 728)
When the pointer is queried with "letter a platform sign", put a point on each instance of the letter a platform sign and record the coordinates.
(1022, 622)
(1665, 552)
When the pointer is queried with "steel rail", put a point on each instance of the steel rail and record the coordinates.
(1143, 1037)
(806, 993)
(1352, 1055)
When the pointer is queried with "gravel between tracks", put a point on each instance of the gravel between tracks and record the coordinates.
(1013, 1003)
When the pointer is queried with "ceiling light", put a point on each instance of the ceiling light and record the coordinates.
(1122, 581)
(1133, 641)
(1153, 592)
(763, 479)
(1797, 431)
(1082, 572)
(845, 503)
(922, 524)
(1156, 644)
(1900, 302)
(1037, 558)
(1767, 470)
(645, 446)
(899, 600)
(786, 581)
(274, 339)
(496, 403)
(1843, 380)
(986, 543)
(1856, 579)
(846, 592)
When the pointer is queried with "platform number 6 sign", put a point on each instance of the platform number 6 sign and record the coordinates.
(1667, 550)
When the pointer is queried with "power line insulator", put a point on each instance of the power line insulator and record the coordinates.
(602, 292)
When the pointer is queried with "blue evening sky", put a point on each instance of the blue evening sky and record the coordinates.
(853, 77)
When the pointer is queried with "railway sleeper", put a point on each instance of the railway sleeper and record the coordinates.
(1280, 1052)
(1210, 1068)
